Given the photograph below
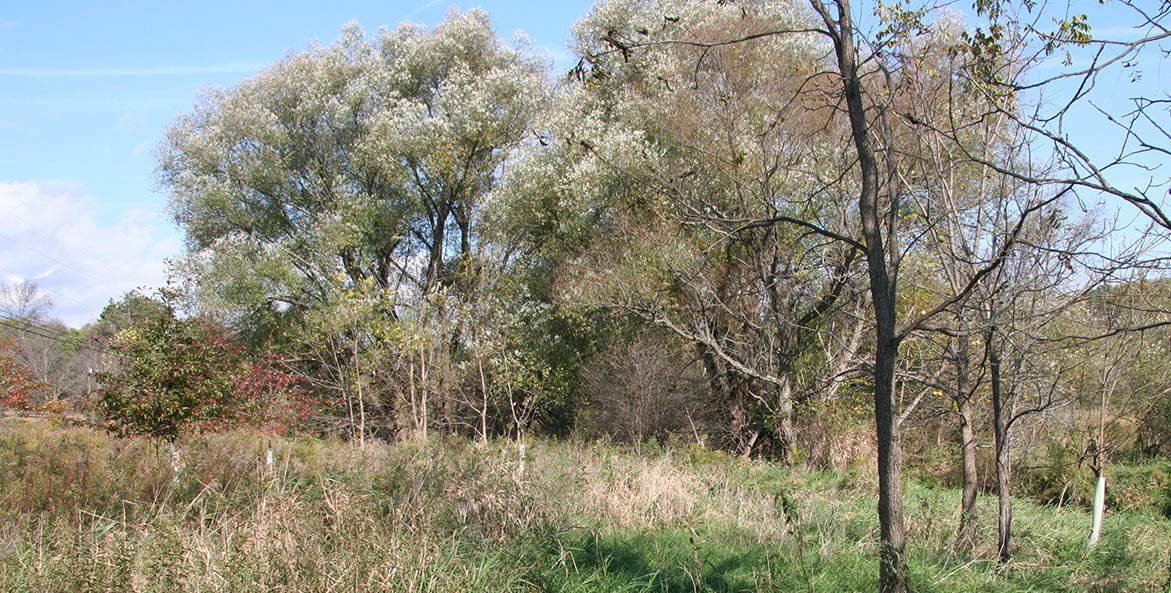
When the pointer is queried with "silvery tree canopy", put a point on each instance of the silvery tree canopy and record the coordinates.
(361, 165)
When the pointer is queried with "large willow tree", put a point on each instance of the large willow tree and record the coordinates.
(359, 164)
(340, 192)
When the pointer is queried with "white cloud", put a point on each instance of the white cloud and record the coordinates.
(47, 272)
(75, 251)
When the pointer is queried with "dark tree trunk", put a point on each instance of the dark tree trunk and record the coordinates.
(435, 253)
(1003, 470)
(892, 565)
(892, 571)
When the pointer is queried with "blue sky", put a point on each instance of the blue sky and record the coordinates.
(87, 90)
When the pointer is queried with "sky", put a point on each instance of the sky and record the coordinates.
(87, 90)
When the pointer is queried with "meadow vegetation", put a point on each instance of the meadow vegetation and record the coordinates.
(81, 510)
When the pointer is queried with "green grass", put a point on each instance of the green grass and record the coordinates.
(83, 511)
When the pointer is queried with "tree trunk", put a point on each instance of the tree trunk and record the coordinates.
(422, 394)
(730, 389)
(484, 401)
(435, 253)
(361, 400)
(892, 564)
(1003, 470)
(787, 433)
(892, 568)
(966, 540)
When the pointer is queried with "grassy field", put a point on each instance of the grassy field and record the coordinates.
(83, 511)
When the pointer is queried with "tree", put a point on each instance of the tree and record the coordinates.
(873, 75)
(647, 387)
(349, 176)
(24, 301)
(1056, 264)
(18, 389)
(170, 374)
(1118, 332)
(1055, 62)
(665, 172)
(49, 351)
(132, 309)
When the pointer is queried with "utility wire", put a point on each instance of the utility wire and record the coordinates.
(39, 332)
(45, 255)
(62, 331)
(31, 329)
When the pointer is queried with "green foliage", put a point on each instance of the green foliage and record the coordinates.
(346, 164)
(661, 164)
(1163, 498)
(1138, 487)
(338, 203)
(168, 375)
(132, 309)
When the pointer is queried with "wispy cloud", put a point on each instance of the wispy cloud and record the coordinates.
(421, 8)
(140, 149)
(47, 272)
(157, 71)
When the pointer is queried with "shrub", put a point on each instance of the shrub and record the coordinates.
(648, 388)
(17, 388)
(171, 375)
(1137, 487)
(1163, 499)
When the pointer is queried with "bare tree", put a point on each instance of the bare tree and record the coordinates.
(24, 301)
(648, 387)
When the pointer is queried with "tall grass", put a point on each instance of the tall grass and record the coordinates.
(82, 511)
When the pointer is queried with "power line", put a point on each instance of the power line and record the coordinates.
(28, 328)
(61, 331)
(59, 262)
(43, 333)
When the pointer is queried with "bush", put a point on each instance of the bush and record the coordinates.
(17, 388)
(1137, 487)
(648, 388)
(1163, 499)
(171, 375)
(836, 433)
(1057, 477)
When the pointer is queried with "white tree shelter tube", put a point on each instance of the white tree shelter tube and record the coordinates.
(1099, 507)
